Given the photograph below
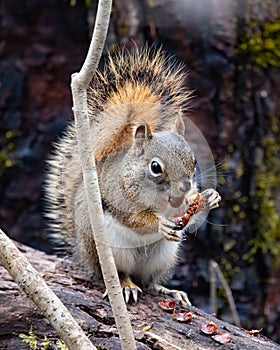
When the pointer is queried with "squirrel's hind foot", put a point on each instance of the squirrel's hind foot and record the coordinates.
(129, 288)
(178, 295)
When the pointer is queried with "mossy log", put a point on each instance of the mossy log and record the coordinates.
(154, 328)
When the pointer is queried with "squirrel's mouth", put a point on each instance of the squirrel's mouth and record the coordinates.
(175, 202)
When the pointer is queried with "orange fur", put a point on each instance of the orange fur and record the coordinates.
(141, 88)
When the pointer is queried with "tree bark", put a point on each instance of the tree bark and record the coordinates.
(84, 300)
(35, 287)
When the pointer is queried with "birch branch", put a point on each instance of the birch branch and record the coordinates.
(213, 288)
(79, 85)
(227, 289)
(36, 289)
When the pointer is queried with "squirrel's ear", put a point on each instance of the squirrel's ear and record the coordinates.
(179, 126)
(142, 133)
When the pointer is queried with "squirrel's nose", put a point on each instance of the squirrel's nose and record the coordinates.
(185, 186)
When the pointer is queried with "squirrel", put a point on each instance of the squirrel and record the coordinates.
(145, 166)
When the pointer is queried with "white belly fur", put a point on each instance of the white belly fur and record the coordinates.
(144, 256)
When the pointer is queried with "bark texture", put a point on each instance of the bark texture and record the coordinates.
(93, 313)
(35, 287)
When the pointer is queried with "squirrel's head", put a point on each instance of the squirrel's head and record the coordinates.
(163, 168)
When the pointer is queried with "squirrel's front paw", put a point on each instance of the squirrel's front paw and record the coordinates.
(169, 230)
(212, 197)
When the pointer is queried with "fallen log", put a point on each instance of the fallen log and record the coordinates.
(154, 327)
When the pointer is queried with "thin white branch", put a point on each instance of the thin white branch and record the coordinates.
(213, 288)
(36, 288)
(97, 42)
(79, 85)
(227, 289)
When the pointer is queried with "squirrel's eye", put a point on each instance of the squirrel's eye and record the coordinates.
(155, 168)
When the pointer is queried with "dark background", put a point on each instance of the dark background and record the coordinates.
(232, 51)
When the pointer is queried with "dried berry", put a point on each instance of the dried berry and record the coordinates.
(209, 328)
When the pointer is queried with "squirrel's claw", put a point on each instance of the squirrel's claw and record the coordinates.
(169, 230)
(105, 294)
(213, 198)
(180, 296)
(129, 288)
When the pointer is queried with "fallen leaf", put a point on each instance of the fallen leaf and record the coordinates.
(222, 338)
(209, 328)
(144, 327)
(147, 328)
(141, 325)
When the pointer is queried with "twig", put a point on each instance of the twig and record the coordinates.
(79, 85)
(36, 288)
(213, 288)
(227, 289)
